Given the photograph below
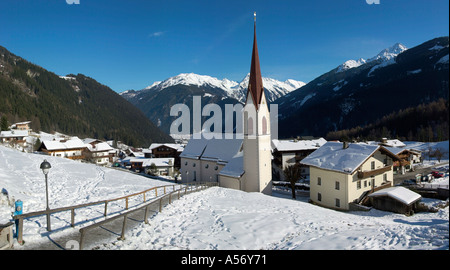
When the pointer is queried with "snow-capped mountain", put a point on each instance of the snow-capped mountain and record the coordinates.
(156, 99)
(359, 92)
(386, 56)
(233, 89)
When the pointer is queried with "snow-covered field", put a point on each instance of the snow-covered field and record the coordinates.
(215, 218)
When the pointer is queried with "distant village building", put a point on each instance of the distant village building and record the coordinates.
(291, 152)
(17, 137)
(98, 152)
(155, 166)
(72, 148)
(344, 173)
(21, 126)
(165, 150)
(235, 163)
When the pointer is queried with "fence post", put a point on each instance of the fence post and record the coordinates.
(106, 208)
(122, 236)
(126, 203)
(81, 239)
(146, 215)
(72, 216)
(20, 232)
(160, 205)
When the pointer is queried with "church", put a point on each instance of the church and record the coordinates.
(243, 164)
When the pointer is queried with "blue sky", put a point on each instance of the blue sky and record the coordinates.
(129, 44)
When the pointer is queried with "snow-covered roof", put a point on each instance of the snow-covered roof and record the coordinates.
(99, 147)
(401, 194)
(177, 146)
(297, 145)
(394, 143)
(234, 167)
(332, 156)
(221, 150)
(73, 143)
(14, 133)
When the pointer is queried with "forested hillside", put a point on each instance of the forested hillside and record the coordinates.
(426, 123)
(74, 105)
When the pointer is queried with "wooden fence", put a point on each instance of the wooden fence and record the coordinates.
(162, 189)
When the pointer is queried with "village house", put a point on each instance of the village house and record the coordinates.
(155, 166)
(342, 174)
(68, 148)
(16, 137)
(21, 126)
(291, 152)
(98, 152)
(407, 158)
(165, 150)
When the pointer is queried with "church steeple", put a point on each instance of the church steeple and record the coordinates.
(255, 84)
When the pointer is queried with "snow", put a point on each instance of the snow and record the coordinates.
(414, 71)
(212, 219)
(385, 57)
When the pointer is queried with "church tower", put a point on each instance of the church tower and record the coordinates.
(257, 144)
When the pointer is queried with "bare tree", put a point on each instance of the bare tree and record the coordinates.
(292, 173)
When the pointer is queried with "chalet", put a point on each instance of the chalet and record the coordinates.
(290, 152)
(21, 126)
(165, 150)
(161, 166)
(14, 136)
(72, 148)
(345, 173)
(98, 152)
(407, 158)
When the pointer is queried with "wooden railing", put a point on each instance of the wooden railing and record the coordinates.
(163, 189)
(381, 170)
(145, 207)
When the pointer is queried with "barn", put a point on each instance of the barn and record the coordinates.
(395, 199)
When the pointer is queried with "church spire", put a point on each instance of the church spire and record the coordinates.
(255, 85)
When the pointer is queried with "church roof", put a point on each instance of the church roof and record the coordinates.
(255, 84)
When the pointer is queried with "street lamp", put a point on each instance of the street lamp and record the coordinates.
(45, 167)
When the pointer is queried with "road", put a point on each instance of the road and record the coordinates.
(398, 178)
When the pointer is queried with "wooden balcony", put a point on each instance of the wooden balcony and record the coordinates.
(370, 173)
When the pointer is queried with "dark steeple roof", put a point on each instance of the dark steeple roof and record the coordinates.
(255, 84)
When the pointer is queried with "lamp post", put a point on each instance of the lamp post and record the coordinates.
(45, 167)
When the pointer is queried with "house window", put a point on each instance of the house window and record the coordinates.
(207, 166)
(319, 181)
(193, 165)
(372, 165)
(319, 197)
(195, 176)
(216, 168)
(365, 183)
(336, 185)
(385, 177)
(358, 185)
(338, 203)
(186, 163)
